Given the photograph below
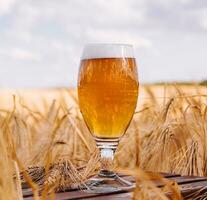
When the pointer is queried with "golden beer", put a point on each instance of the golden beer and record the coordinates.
(108, 92)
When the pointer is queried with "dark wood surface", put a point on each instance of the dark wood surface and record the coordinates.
(191, 188)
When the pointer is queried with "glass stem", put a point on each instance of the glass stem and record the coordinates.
(107, 150)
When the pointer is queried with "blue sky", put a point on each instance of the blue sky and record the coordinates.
(41, 40)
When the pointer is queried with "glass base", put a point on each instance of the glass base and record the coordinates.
(108, 182)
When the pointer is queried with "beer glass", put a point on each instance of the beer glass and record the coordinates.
(107, 91)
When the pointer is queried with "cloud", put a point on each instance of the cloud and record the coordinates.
(22, 54)
(47, 36)
(203, 18)
(5, 6)
(118, 37)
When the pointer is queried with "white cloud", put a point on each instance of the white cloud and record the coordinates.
(18, 54)
(203, 18)
(22, 54)
(6, 5)
(118, 37)
(48, 35)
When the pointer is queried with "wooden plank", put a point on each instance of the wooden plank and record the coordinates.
(193, 190)
(186, 179)
(178, 179)
(122, 196)
(166, 175)
(81, 194)
(187, 184)
(187, 191)
(183, 180)
(28, 191)
(171, 175)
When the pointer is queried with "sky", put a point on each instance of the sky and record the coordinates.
(41, 40)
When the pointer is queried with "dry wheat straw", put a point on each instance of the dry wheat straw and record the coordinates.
(167, 134)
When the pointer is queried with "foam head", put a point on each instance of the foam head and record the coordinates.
(92, 51)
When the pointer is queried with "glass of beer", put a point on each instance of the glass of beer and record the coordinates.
(108, 91)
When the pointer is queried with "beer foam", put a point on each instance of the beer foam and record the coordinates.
(91, 51)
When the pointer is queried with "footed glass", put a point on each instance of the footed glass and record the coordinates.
(108, 91)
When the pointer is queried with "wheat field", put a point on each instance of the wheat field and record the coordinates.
(42, 131)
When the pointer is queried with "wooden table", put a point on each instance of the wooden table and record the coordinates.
(189, 186)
